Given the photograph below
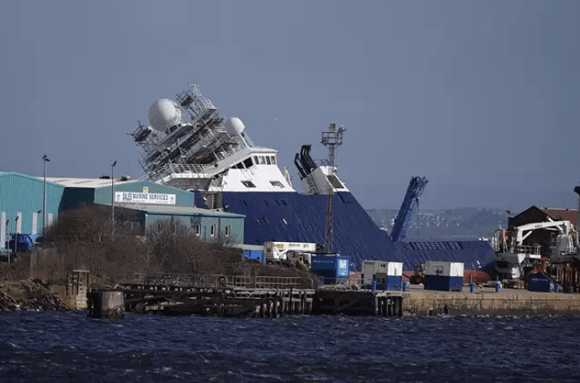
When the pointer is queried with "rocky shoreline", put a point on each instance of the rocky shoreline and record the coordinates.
(28, 294)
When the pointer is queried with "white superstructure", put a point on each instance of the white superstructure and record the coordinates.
(189, 146)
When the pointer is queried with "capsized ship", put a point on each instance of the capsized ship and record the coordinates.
(188, 145)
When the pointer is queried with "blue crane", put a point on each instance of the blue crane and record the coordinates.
(408, 207)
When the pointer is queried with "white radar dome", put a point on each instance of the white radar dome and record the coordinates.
(235, 126)
(164, 114)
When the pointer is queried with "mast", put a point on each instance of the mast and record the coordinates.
(331, 139)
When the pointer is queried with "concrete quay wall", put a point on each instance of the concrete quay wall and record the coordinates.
(487, 302)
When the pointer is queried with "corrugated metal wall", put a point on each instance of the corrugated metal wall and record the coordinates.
(22, 196)
(236, 224)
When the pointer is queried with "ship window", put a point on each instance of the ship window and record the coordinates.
(277, 184)
(228, 230)
(239, 166)
(256, 160)
(334, 182)
(248, 184)
(212, 230)
(268, 160)
(248, 162)
(197, 229)
(273, 160)
(262, 161)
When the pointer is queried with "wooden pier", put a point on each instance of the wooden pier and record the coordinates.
(265, 297)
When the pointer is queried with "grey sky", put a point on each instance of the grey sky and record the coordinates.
(481, 97)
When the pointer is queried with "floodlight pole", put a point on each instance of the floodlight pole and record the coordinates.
(44, 160)
(113, 198)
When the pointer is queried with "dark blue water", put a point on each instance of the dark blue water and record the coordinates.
(67, 346)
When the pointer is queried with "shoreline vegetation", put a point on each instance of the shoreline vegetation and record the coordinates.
(86, 239)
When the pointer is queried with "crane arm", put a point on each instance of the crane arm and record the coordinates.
(408, 207)
(562, 226)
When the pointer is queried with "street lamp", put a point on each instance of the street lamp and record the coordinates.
(44, 160)
(15, 236)
(113, 197)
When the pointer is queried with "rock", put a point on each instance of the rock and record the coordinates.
(27, 295)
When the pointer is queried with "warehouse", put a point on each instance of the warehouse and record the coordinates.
(206, 224)
(21, 204)
(143, 202)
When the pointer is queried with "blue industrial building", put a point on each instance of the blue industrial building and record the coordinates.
(22, 199)
(21, 205)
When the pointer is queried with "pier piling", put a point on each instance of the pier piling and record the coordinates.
(106, 304)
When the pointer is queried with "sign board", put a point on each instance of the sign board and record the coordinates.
(342, 269)
(145, 198)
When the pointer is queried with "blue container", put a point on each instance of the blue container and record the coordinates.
(443, 283)
(497, 286)
(540, 282)
(394, 282)
(333, 269)
(257, 255)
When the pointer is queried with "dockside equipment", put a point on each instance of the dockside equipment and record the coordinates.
(333, 269)
(389, 275)
(443, 276)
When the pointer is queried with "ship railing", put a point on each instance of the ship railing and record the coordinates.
(527, 249)
(199, 170)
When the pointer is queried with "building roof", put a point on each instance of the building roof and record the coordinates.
(558, 214)
(541, 214)
(32, 178)
(165, 209)
(87, 182)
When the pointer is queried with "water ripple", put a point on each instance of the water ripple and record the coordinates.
(68, 346)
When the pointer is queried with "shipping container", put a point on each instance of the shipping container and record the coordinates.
(256, 255)
(443, 276)
(540, 282)
(334, 269)
(389, 275)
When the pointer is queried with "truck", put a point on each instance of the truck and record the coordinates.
(289, 252)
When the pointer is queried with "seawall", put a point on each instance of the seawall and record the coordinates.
(485, 301)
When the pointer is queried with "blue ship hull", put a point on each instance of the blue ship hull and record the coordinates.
(295, 217)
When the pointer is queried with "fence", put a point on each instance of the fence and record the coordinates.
(220, 281)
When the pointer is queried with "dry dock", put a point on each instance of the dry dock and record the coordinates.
(485, 301)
